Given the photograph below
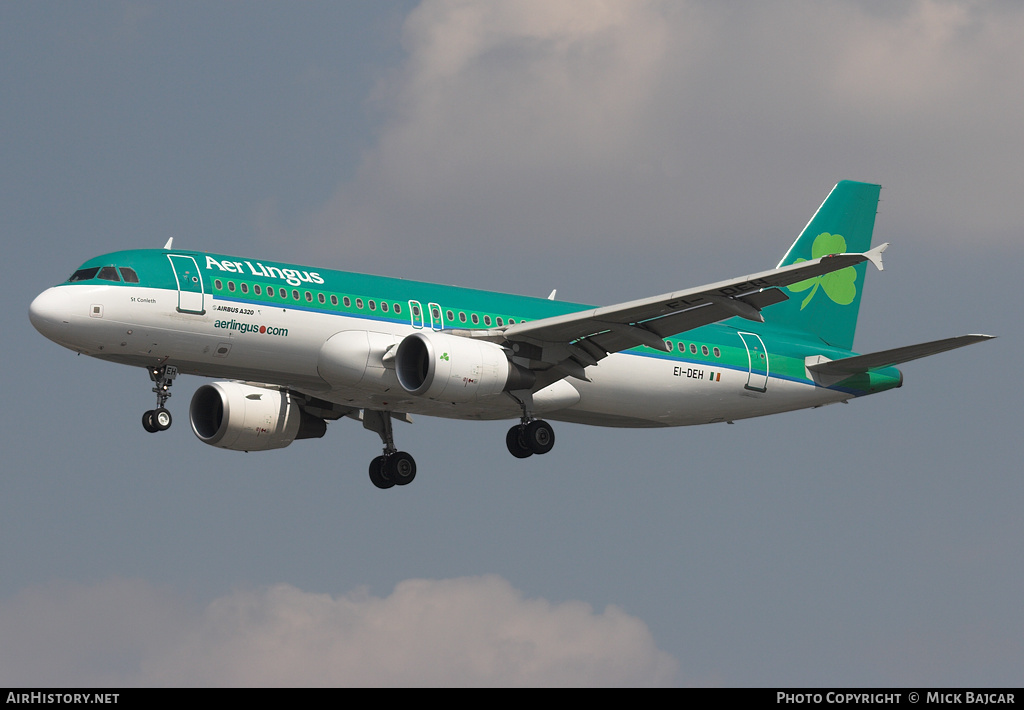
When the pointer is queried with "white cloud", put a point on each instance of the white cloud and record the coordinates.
(467, 631)
(544, 124)
(84, 635)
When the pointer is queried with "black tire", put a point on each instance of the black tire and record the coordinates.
(147, 422)
(378, 476)
(162, 419)
(516, 443)
(401, 468)
(539, 436)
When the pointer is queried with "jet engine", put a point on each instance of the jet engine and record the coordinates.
(241, 417)
(451, 368)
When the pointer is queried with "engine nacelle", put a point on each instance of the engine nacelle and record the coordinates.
(248, 418)
(450, 368)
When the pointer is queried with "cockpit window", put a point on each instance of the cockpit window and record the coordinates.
(109, 273)
(129, 275)
(84, 274)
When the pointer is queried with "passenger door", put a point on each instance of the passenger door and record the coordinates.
(757, 356)
(190, 284)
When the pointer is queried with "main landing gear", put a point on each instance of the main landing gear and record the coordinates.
(529, 438)
(159, 419)
(398, 468)
(393, 467)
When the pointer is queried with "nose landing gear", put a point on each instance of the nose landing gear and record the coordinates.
(160, 419)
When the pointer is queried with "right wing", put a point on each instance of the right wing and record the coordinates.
(577, 340)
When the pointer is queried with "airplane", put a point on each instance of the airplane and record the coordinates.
(296, 347)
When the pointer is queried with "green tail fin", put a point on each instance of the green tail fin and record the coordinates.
(827, 306)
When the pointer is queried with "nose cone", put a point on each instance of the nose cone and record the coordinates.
(50, 313)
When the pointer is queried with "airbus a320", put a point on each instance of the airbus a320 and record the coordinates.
(296, 347)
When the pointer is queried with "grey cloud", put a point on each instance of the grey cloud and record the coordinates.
(548, 125)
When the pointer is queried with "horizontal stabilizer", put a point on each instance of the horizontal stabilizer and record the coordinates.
(886, 358)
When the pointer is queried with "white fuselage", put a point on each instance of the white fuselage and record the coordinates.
(282, 346)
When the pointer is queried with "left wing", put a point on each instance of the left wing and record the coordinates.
(577, 340)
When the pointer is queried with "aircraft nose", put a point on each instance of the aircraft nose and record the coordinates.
(50, 312)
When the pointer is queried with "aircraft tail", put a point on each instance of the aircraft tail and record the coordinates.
(827, 306)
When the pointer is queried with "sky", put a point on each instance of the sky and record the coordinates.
(611, 150)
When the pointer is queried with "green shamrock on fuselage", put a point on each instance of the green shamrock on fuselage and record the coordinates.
(840, 286)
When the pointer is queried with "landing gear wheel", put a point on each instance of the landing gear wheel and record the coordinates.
(378, 476)
(147, 422)
(161, 419)
(516, 443)
(539, 437)
(400, 468)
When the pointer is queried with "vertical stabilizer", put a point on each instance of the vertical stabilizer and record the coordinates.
(826, 306)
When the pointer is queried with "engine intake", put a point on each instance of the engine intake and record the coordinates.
(241, 417)
(450, 368)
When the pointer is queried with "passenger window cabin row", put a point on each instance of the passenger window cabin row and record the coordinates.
(128, 275)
